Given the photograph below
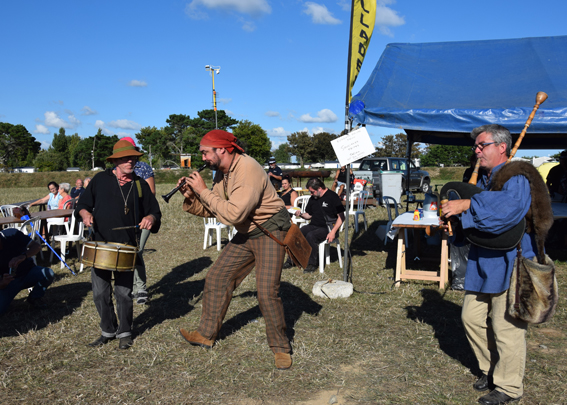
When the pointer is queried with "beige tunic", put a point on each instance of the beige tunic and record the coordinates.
(249, 194)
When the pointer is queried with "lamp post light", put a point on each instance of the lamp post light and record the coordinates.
(214, 70)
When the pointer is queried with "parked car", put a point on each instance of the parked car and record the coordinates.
(370, 169)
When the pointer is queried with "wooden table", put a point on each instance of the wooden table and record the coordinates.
(43, 215)
(405, 221)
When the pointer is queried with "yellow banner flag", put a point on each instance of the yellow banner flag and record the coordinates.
(362, 25)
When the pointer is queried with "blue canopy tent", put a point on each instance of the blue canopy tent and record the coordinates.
(439, 92)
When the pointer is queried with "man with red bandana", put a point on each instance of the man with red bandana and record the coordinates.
(241, 193)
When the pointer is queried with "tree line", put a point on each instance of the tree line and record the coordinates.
(181, 135)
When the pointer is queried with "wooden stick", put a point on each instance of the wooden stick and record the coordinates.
(540, 98)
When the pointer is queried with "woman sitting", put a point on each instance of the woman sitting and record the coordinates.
(51, 199)
(288, 194)
(64, 193)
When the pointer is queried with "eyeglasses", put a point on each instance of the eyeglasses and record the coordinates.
(481, 146)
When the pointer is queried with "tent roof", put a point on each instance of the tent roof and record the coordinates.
(439, 92)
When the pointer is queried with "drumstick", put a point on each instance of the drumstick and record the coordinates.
(120, 228)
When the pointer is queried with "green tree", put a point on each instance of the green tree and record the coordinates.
(206, 122)
(447, 155)
(396, 146)
(16, 143)
(255, 140)
(300, 145)
(322, 148)
(281, 154)
(59, 145)
(72, 143)
(103, 145)
(50, 161)
(156, 140)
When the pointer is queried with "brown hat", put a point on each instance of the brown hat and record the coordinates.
(123, 148)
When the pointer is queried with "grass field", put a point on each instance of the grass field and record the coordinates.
(383, 345)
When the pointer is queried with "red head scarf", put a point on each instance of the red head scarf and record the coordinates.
(218, 138)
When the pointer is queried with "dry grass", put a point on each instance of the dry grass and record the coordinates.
(380, 346)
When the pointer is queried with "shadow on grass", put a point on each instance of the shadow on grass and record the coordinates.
(61, 301)
(173, 293)
(445, 318)
(295, 303)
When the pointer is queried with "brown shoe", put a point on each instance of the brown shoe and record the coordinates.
(283, 361)
(196, 339)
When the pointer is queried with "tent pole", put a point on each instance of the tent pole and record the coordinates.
(408, 160)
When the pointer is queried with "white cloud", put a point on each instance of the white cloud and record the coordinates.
(254, 8)
(317, 130)
(319, 14)
(272, 114)
(137, 83)
(225, 100)
(344, 4)
(386, 17)
(41, 129)
(86, 110)
(53, 120)
(278, 132)
(100, 125)
(45, 145)
(124, 124)
(324, 115)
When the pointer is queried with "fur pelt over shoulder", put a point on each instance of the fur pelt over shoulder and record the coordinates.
(540, 215)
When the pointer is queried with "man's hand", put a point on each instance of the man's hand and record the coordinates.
(185, 189)
(87, 217)
(196, 182)
(331, 236)
(455, 207)
(147, 222)
(15, 261)
(5, 280)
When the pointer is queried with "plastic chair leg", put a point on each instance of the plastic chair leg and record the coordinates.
(218, 238)
(322, 248)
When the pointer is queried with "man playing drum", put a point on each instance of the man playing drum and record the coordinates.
(117, 198)
(241, 192)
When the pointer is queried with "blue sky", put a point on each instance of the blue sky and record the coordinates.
(124, 65)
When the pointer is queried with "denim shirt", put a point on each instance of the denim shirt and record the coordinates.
(489, 271)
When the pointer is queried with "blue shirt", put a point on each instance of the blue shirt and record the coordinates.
(143, 170)
(489, 271)
(53, 202)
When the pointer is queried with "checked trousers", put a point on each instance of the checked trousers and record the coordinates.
(236, 261)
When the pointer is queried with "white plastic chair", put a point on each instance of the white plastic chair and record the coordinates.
(7, 211)
(300, 202)
(384, 231)
(29, 227)
(325, 251)
(360, 210)
(211, 225)
(70, 237)
(60, 221)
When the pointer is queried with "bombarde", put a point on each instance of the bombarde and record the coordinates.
(167, 196)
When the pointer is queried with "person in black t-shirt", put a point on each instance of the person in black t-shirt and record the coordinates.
(275, 174)
(326, 211)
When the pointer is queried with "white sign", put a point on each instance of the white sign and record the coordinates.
(353, 146)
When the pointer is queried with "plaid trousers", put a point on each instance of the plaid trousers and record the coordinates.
(236, 261)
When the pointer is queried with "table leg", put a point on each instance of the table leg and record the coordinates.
(400, 259)
(444, 270)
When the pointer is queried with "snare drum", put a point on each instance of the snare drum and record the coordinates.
(109, 256)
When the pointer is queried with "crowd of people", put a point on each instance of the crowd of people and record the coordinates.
(244, 196)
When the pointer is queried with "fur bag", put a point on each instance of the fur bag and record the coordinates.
(533, 294)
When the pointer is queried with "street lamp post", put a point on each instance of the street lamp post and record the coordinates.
(214, 70)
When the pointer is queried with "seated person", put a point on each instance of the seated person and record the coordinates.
(86, 182)
(323, 207)
(557, 179)
(18, 271)
(78, 189)
(288, 195)
(51, 199)
(63, 192)
(341, 179)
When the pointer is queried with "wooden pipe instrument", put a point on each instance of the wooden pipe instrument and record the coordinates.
(509, 239)
(167, 196)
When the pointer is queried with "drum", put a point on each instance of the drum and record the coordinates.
(109, 256)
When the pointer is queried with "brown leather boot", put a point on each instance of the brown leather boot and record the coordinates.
(196, 339)
(283, 361)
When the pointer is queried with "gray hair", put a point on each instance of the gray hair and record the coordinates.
(65, 186)
(315, 184)
(498, 133)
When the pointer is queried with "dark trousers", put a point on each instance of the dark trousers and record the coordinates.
(314, 235)
(236, 261)
(102, 296)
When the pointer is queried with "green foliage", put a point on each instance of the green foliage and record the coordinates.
(59, 145)
(396, 146)
(16, 144)
(72, 143)
(322, 148)
(447, 155)
(156, 140)
(300, 145)
(50, 161)
(281, 154)
(82, 156)
(255, 140)
(206, 122)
